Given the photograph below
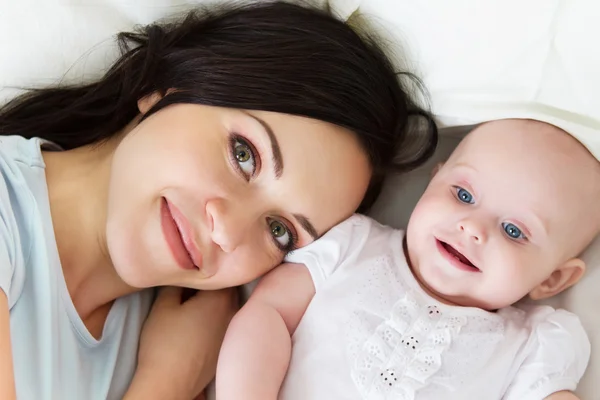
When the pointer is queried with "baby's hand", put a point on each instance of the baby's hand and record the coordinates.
(564, 395)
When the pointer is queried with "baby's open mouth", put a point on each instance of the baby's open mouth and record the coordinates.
(458, 255)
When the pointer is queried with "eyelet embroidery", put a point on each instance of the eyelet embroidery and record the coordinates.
(388, 378)
(404, 354)
(410, 343)
(388, 335)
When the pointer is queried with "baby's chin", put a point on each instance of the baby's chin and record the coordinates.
(487, 303)
(439, 291)
(471, 298)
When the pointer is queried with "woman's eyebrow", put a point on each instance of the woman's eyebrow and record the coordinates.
(275, 149)
(278, 170)
(307, 225)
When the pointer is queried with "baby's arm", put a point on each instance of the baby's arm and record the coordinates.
(7, 380)
(562, 396)
(257, 347)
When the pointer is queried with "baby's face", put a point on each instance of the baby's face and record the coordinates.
(515, 201)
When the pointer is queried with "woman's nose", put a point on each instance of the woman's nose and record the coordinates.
(229, 222)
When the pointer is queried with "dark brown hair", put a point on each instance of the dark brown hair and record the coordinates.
(272, 56)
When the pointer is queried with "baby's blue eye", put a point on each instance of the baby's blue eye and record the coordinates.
(464, 196)
(512, 231)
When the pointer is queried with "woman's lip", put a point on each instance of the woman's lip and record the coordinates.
(176, 238)
(452, 259)
(187, 234)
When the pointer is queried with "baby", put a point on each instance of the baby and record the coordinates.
(370, 312)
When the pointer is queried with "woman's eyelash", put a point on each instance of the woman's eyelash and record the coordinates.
(293, 243)
(235, 140)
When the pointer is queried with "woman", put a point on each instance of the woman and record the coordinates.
(210, 149)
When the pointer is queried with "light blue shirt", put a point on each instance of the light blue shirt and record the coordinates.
(55, 356)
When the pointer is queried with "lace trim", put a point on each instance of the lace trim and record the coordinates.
(404, 354)
(397, 347)
(405, 351)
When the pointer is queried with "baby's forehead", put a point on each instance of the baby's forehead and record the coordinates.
(528, 144)
(536, 161)
(517, 135)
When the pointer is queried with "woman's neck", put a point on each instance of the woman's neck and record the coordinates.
(78, 183)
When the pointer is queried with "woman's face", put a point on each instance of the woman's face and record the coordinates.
(207, 197)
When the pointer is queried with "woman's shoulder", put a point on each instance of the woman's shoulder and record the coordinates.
(23, 151)
(22, 175)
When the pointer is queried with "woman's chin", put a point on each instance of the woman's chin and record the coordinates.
(136, 279)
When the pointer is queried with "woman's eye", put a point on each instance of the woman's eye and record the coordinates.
(244, 156)
(512, 231)
(464, 196)
(281, 234)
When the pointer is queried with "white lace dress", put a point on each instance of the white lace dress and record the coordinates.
(372, 333)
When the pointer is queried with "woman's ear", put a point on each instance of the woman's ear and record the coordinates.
(561, 279)
(147, 102)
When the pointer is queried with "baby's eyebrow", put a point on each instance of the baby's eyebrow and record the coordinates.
(463, 165)
(537, 221)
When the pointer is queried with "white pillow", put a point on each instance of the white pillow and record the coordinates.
(42, 42)
(501, 58)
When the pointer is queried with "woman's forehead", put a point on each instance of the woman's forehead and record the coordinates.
(325, 170)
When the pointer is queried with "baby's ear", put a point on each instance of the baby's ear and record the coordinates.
(561, 279)
(436, 169)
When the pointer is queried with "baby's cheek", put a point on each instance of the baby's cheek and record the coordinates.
(517, 271)
(426, 213)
